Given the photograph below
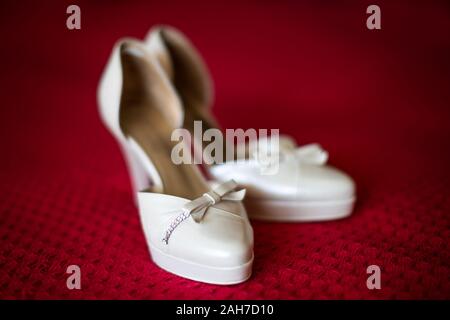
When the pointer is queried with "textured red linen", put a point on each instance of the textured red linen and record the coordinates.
(377, 100)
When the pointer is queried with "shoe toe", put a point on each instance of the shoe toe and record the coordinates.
(325, 183)
(220, 239)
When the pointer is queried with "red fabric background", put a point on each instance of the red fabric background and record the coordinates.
(377, 100)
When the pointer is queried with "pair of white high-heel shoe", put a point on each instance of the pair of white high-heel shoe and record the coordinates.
(195, 228)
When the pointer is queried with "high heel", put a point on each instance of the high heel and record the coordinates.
(139, 177)
(304, 188)
(195, 229)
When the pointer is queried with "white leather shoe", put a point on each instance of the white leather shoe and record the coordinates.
(305, 187)
(193, 229)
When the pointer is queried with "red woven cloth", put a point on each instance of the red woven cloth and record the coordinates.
(378, 101)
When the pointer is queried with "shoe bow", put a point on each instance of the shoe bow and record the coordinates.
(312, 154)
(197, 208)
(308, 154)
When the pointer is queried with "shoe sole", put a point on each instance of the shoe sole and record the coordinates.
(199, 272)
(295, 211)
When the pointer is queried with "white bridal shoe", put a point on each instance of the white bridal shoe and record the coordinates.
(304, 188)
(193, 229)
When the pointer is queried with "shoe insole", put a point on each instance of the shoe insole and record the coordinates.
(153, 135)
(148, 113)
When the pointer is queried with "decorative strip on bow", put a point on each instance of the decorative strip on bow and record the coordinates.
(197, 208)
